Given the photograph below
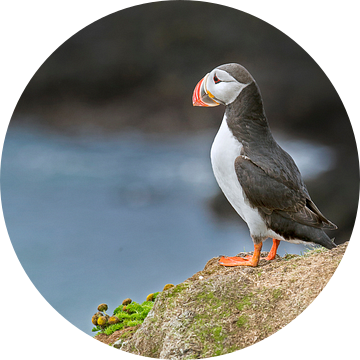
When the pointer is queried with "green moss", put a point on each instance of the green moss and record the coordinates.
(243, 319)
(209, 299)
(212, 338)
(241, 305)
(134, 314)
(290, 256)
(276, 293)
(219, 337)
(174, 291)
(211, 334)
(127, 334)
(313, 250)
(112, 328)
(245, 301)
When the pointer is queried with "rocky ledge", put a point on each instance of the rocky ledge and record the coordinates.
(219, 309)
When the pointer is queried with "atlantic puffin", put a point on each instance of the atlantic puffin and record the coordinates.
(259, 179)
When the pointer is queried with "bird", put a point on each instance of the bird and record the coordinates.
(259, 179)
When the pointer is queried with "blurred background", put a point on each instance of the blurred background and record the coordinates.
(106, 181)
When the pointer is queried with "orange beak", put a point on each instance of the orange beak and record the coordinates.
(201, 96)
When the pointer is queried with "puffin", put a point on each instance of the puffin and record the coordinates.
(259, 179)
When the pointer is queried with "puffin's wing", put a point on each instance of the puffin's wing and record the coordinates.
(269, 193)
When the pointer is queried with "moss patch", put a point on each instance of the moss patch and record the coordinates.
(128, 316)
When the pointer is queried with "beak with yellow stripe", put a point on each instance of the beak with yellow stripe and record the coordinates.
(202, 96)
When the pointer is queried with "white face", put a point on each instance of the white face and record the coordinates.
(223, 86)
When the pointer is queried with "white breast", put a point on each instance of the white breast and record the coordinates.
(225, 149)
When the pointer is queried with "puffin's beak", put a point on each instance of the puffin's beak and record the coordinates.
(201, 96)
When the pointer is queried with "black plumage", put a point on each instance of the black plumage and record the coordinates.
(268, 175)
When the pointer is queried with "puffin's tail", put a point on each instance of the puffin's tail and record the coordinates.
(291, 230)
(326, 242)
(317, 236)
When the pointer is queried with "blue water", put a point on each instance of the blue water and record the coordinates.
(99, 219)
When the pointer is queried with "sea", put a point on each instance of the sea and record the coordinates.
(100, 218)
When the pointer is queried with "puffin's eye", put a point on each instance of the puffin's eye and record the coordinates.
(216, 79)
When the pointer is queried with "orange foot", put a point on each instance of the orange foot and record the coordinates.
(237, 261)
(250, 260)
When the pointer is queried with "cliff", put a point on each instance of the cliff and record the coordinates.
(219, 310)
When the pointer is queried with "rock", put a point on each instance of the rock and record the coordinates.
(231, 308)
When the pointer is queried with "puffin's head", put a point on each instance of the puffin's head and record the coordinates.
(222, 85)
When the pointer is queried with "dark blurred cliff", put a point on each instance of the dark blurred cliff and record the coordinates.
(137, 68)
